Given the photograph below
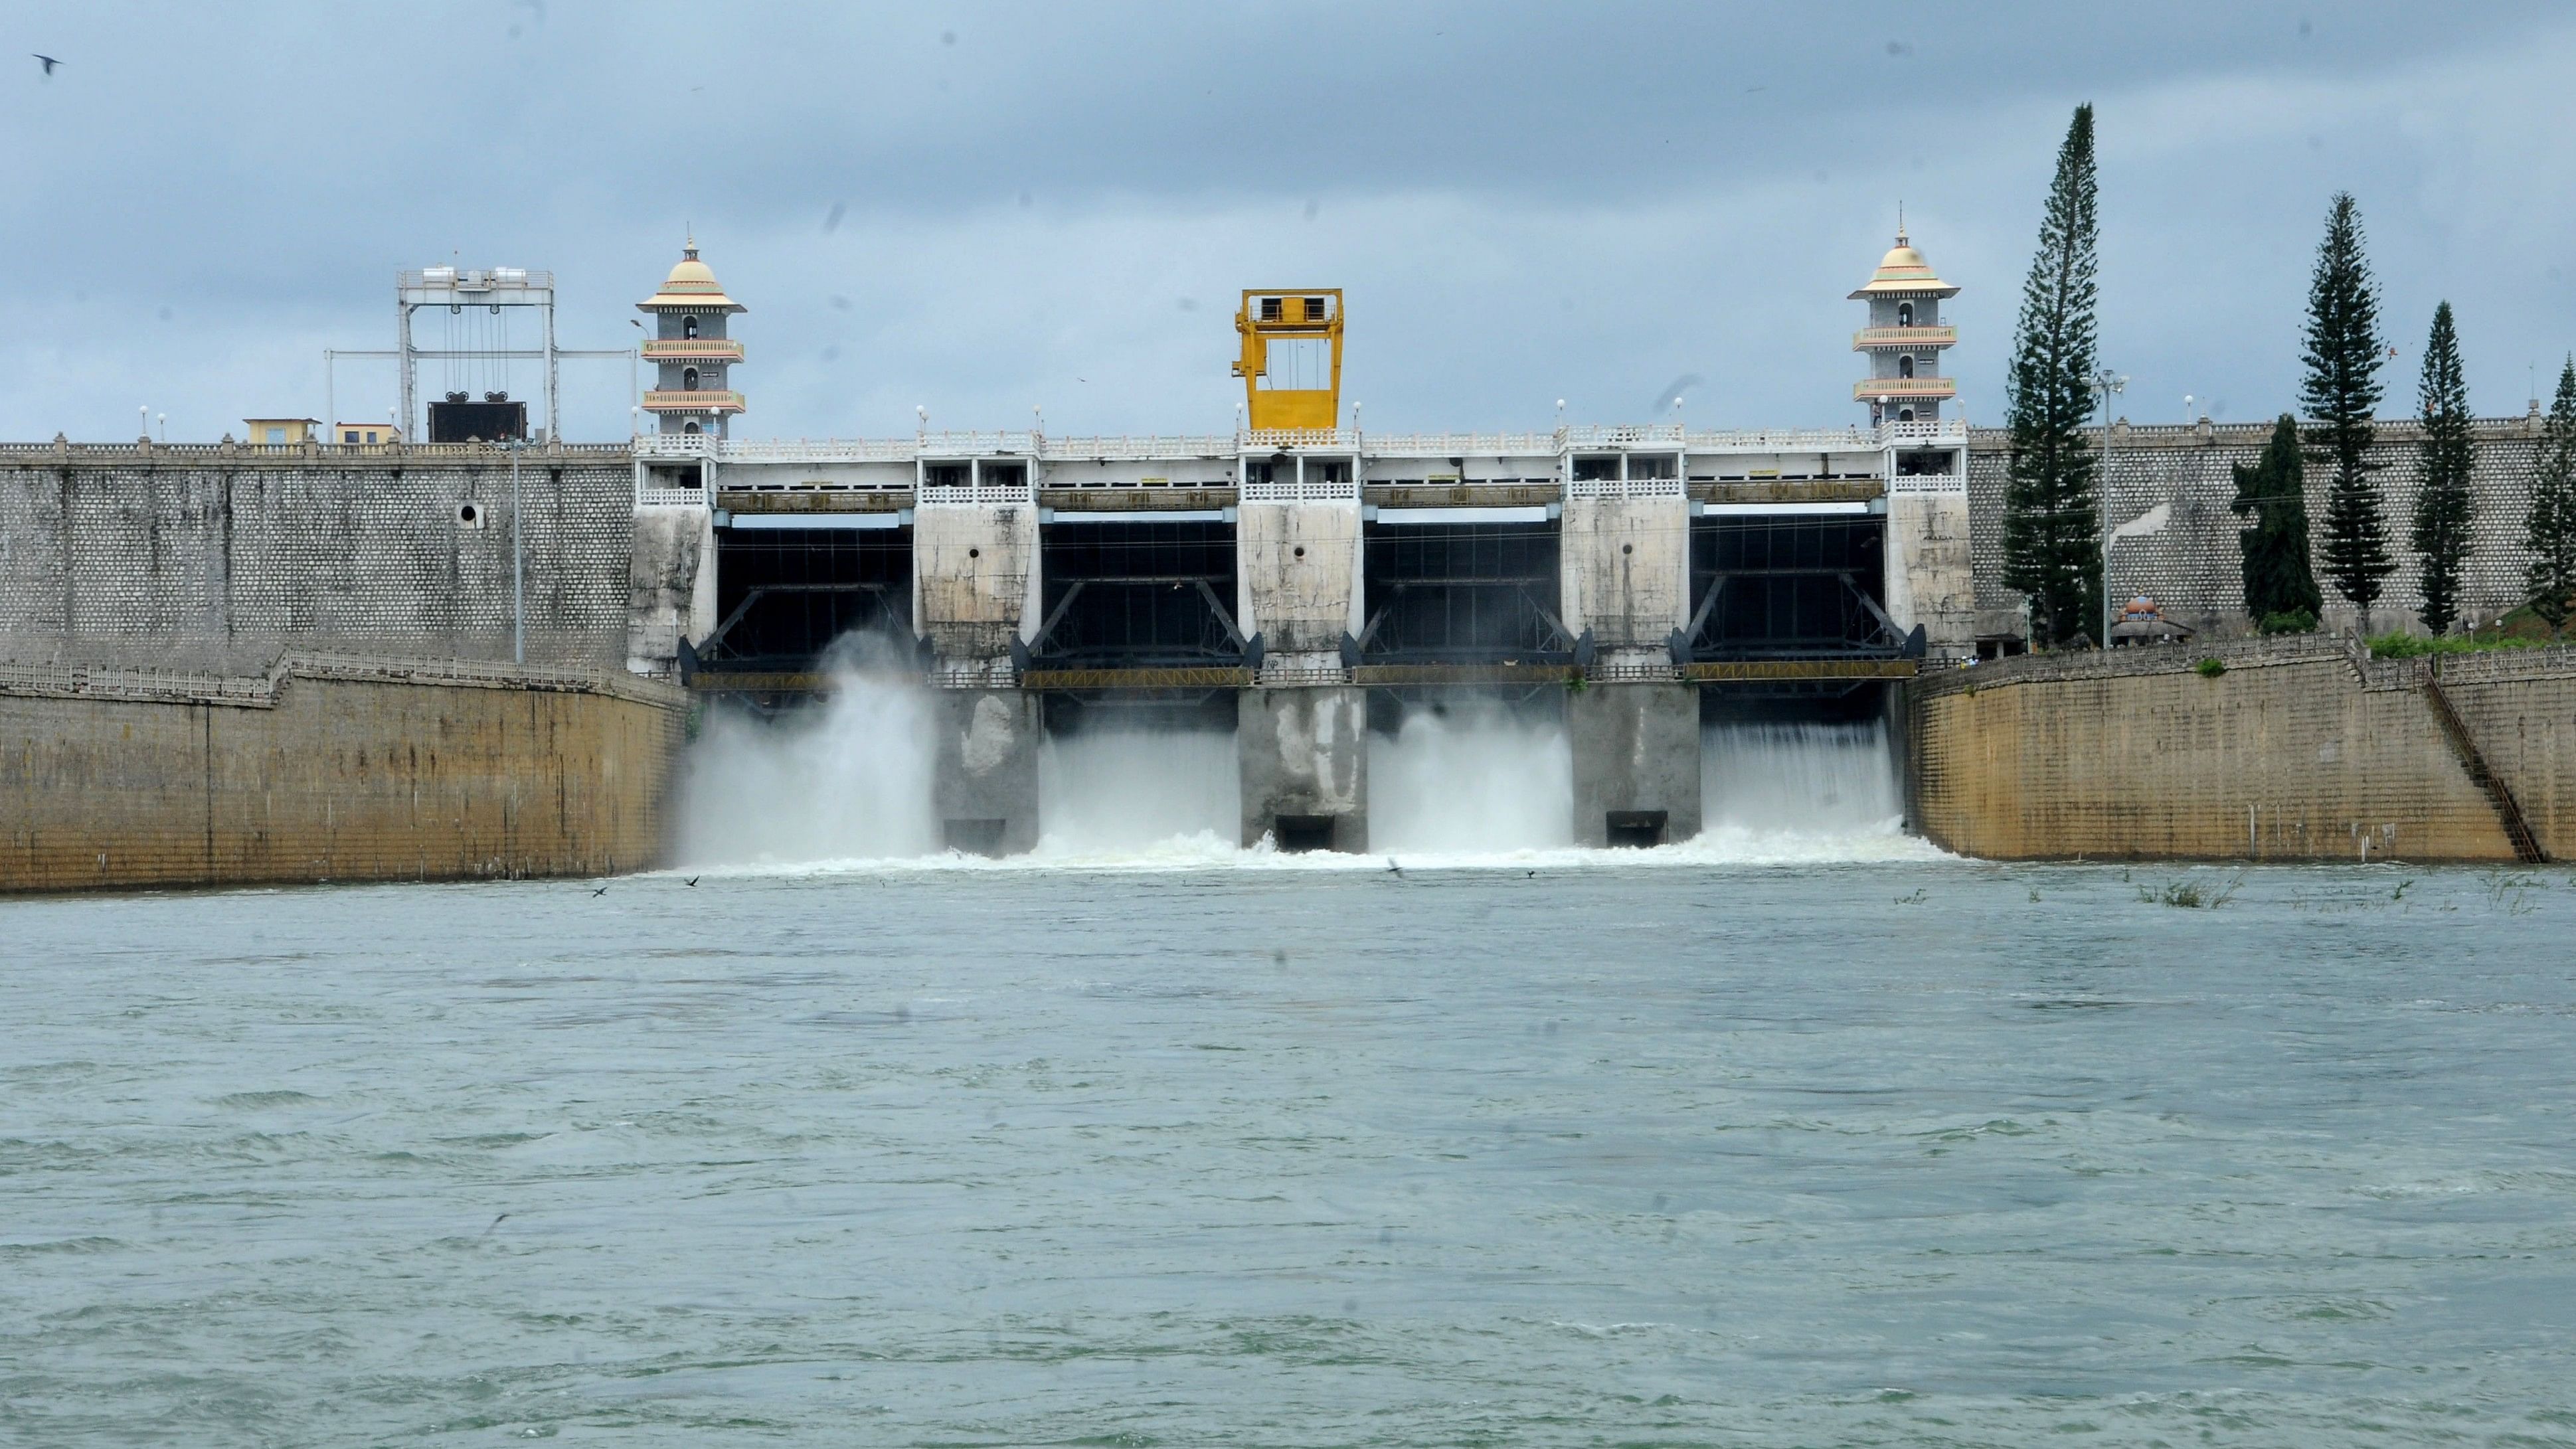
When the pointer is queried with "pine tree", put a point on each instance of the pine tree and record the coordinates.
(2052, 547)
(2442, 464)
(2551, 534)
(2279, 585)
(2341, 392)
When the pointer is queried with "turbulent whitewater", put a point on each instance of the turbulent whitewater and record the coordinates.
(848, 783)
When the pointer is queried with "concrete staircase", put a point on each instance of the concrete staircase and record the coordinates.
(2526, 848)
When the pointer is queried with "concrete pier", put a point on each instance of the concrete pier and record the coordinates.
(974, 580)
(1298, 578)
(1303, 754)
(985, 781)
(1931, 579)
(1626, 571)
(1636, 763)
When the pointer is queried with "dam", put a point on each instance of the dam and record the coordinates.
(1302, 583)
(353, 652)
(1302, 586)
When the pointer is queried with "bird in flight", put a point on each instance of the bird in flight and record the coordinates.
(693, 880)
(49, 62)
(1392, 868)
(603, 890)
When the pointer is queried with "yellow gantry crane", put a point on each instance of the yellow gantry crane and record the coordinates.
(1292, 358)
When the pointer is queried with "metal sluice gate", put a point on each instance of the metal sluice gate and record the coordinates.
(1786, 604)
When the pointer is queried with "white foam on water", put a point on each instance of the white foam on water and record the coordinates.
(847, 779)
(1809, 777)
(1472, 781)
(1150, 792)
(1790, 793)
(844, 788)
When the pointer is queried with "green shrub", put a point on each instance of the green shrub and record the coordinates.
(2297, 621)
(2416, 646)
(2210, 668)
(2188, 895)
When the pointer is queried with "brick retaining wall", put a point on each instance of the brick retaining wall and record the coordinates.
(2297, 751)
(329, 769)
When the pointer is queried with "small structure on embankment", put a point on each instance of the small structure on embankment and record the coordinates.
(2280, 749)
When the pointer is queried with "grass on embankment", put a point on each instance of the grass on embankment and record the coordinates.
(2521, 629)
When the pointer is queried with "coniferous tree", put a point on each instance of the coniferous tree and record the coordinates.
(2550, 535)
(2279, 585)
(2442, 464)
(2341, 393)
(2052, 544)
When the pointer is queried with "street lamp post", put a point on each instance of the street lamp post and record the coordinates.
(2107, 382)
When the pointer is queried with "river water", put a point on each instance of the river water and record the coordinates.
(1766, 1141)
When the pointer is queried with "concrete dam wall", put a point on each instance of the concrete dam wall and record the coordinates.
(222, 557)
(329, 768)
(1314, 586)
(2296, 752)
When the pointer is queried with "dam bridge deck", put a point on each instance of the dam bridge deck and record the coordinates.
(720, 681)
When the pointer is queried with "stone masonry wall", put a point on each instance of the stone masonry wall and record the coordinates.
(2295, 752)
(329, 770)
(2188, 558)
(2520, 704)
(208, 558)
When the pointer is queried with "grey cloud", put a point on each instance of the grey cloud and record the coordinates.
(1525, 203)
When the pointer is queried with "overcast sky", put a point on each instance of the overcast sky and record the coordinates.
(985, 208)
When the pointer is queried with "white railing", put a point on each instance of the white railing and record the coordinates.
(1786, 440)
(1629, 435)
(698, 447)
(967, 444)
(675, 445)
(932, 495)
(685, 400)
(1263, 440)
(680, 349)
(1904, 387)
(1206, 446)
(1459, 445)
(1942, 430)
(1311, 490)
(1933, 335)
(1625, 488)
(1140, 449)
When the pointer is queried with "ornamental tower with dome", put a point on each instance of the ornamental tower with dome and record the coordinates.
(690, 347)
(1905, 338)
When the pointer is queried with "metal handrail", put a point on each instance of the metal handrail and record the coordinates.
(1925, 334)
(685, 398)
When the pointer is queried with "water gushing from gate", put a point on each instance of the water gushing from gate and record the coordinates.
(1470, 780)
(1801, 778)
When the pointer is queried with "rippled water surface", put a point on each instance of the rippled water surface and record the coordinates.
(1565, 1151)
